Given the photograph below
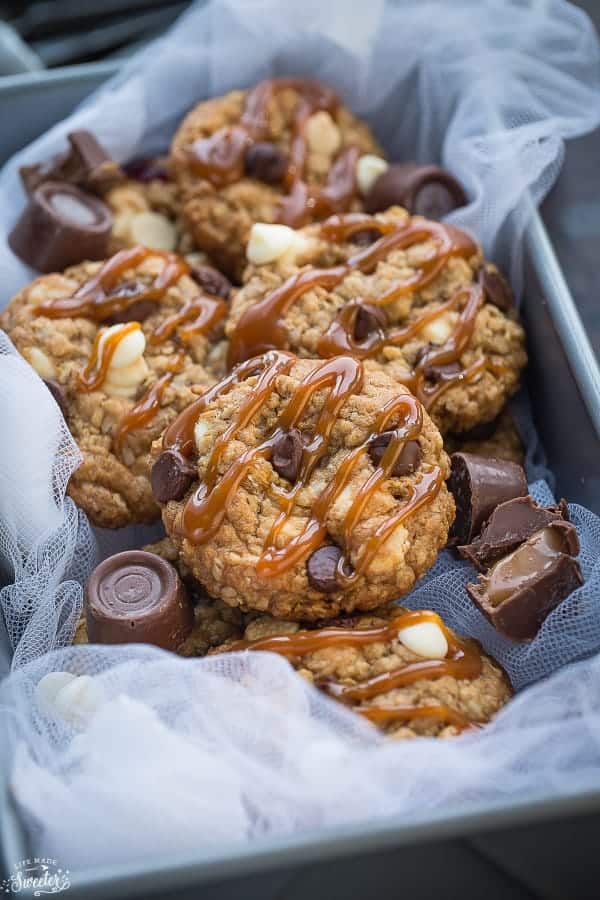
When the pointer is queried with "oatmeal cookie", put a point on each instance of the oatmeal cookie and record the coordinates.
(369, 662)
(413, 295)
(122, 345)
(498, 439)
(285, 151)
(305, 488)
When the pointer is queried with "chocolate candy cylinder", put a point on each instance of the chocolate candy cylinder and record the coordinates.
(478, 485)
(61, 226)
(523, 587)
(422, 190)
(137, 597)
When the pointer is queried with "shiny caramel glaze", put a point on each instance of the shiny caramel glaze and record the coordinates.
(220, 157)
(261, 327)
(206, 508)
(463, 661)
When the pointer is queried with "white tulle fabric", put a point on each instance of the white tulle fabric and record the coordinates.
(239, 747)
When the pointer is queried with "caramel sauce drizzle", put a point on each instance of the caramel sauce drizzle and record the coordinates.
(94, 299)
(146, 409)
(463, 661)
(261, 326)
(220, 157)
(94, 372)
(198, 316)
(205, 510)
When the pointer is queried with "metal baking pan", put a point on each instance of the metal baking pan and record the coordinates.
(541, 848)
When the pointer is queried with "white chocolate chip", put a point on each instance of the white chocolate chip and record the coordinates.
(392, 551)
(128, 350)
(439, 330)
(127, 376)
(42, 364)
(368, 169)
(269, 242)
(73, 698)
(152, 230)
(322, 134)
(425, 639)
(200, 432)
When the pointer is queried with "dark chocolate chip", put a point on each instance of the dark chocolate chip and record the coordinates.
(478, 484)
(287, 454)
(212, 281)
(58, 392)
(481, 432)
(422, 353)
(509, 525)
(442, 372)
(146, 170)
(171, 476)
(496, 288)
(266, 162)
(524, 586)
(422, 190)
(138, 310)
(408, 461)
(365, 237)
(61, 226)
(322, 566)
(137, 597)
(369, 320)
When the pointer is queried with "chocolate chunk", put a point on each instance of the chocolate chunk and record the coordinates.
(442, 372)
(422, 190)
(523, 587)
(145, 170)
(496, 288)
(58, 392)
(287, 454)
(212, 281)
(509, 525)
(266, 162)
(321, 568)
(171, 476)
(408, 461)
(61, 226)
(369, 320)
(86, 164)
(478, 485)
(364, 237)
(137, 597)
(138, 310)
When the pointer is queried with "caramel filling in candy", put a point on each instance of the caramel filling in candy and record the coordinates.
(532, 558)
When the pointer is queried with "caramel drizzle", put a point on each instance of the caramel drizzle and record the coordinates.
(463, 661)
(199, 316)
(146, 409)
(96, 369)
(93, 300)
(206, 509)
(261, 326)
(220, 157)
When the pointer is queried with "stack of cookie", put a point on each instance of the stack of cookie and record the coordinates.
(274, 360)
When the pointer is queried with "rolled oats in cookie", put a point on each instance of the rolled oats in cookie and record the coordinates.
(123, 344)
(285, 151)
(319, 487)
(409, 294)
(406, 672)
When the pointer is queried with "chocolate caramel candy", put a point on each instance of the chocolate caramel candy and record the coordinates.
(137, 597)
(510, 525)
(85, 164)
(523, 587)
(61, 226)
(478, 485)
(427, 191)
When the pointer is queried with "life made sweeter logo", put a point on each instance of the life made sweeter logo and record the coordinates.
(37, 877)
